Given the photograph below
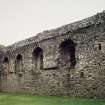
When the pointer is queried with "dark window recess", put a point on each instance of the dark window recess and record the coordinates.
(38, 58)
(68, 53)
(6, 60)
(19, 57)
(18, 64)
(99, 46)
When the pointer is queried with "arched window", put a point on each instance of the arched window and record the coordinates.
(67, 50)
(99, 46)
(18, 63)
(6, 64)
(6, 60)
(19, 57)
(38, 58)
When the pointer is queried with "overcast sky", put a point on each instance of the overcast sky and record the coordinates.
(20, 19)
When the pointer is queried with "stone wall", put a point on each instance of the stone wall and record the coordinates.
(66, 61)
(2, 51)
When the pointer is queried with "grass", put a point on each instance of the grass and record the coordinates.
(17, 99)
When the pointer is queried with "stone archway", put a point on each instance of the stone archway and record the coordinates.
(38, 58)
(67, 53)
(18, 63)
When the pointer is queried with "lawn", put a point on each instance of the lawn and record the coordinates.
(17, 99)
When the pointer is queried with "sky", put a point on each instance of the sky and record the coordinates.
(21, 19)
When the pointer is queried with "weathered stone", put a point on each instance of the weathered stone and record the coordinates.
(69, 60)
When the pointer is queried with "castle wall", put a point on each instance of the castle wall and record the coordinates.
(1, 66)
(69, 60)
(71, 64)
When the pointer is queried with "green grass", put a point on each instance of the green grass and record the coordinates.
(16, 99)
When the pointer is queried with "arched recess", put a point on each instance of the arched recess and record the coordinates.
(67, 53)
(6, 60)
(6, 64)
(19, 64)
(38, 58)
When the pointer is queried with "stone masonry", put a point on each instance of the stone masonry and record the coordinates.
(68, 61)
